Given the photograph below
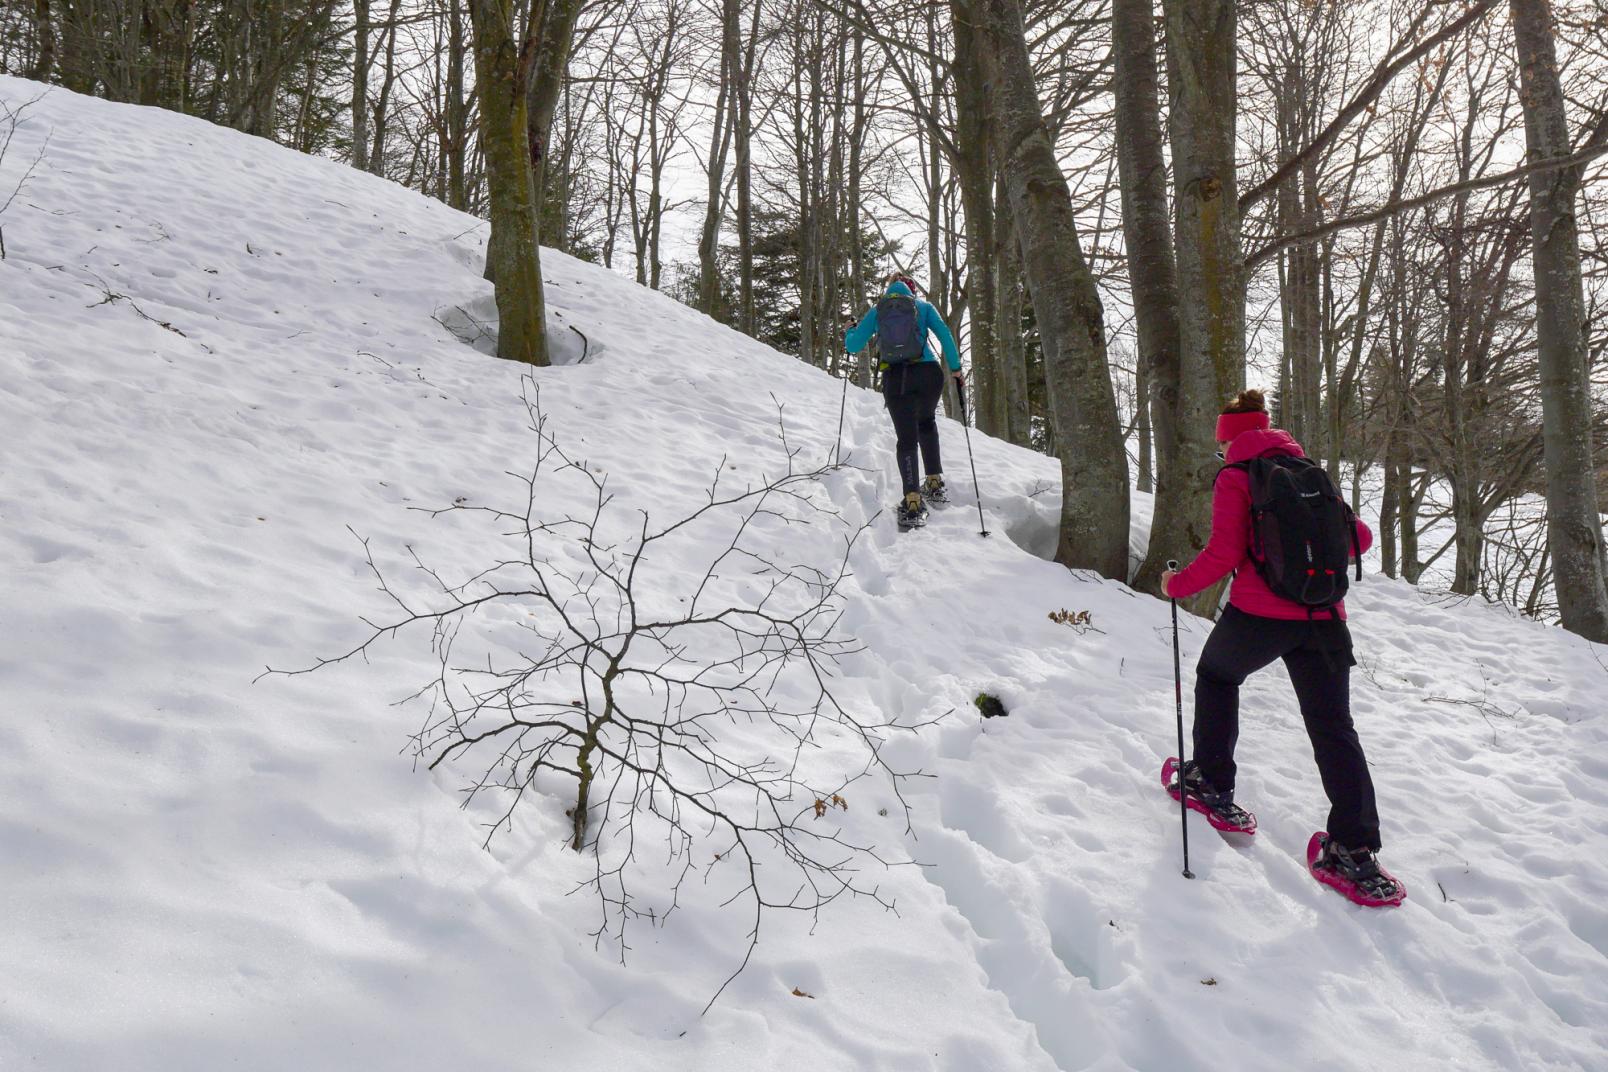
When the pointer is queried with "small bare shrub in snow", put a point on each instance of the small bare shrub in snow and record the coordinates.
(672, 681)
(10, 119)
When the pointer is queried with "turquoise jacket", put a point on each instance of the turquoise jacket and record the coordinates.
(927, 319)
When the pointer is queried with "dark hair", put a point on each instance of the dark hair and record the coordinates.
(1252, 401)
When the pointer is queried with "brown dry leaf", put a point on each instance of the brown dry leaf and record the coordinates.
(820, 808)
(840, 802)
(797, 993)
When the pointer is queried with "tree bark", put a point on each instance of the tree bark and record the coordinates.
(857, 266)
(457, 114)
(1147, 231)
(1015, 417)
(360, 69)
(512, 254)
(1390, 500)
(974, 169)
(1201, 68)
(46, 31)
(1094, 462)
(382, 103)
(742, 102)
(1146, 481)
(556, 34)
(731, 56)
(1574, 522)
(1298, 280)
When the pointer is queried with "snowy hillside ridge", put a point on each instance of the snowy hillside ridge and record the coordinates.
(199, 872)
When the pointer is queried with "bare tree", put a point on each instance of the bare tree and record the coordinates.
(11, 117)
(1094, 463)
(1147, 229)
(1201, 80)
(629, 677)
(1574, 520)
(506, 55)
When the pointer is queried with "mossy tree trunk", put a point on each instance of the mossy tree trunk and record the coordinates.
(1201, 68)
(513, 258)
(1066, 302)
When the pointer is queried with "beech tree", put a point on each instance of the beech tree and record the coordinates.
(1071, 319)
(1574, 519)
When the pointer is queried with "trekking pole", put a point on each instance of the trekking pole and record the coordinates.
(1178, 690)
(843, 403)
(960, 391)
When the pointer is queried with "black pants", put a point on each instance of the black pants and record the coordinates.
(1318, 657)
(911, 392)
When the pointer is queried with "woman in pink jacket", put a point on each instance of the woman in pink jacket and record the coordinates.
(1258, 627)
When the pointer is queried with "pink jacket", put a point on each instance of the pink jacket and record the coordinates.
(1229, 547)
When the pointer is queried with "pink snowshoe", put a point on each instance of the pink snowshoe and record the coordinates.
(1222, 813)
(1355, 874)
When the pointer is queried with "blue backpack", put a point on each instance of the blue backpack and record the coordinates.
(899, 336)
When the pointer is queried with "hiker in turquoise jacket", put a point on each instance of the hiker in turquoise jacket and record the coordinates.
(912, 384)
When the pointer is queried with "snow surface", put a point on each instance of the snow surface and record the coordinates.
(198, 871)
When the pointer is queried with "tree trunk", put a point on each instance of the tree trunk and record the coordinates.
(45, 29)
(1468, 528)
(1094, 462)
(1389, 501)
(742, 98)
(805, 161)
(1142, 429)
(1147, 231)
(856, 295)
(933, 169)
(975, 170)
(831, 219)
(731, 56)
(548, 73)
(1412, 567)
(1574, 523)
(513, 257)
(360, 68)
(1015, 411)
(382, 105)
(457, 114)
(1201, 65)
(1299, 280)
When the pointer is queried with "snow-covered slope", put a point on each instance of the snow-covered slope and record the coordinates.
(217, 355)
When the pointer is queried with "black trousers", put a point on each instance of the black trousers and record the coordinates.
(911, 393)
(1318, 657)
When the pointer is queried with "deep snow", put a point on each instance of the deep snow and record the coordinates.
(198, 871)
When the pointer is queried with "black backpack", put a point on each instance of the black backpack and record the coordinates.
(1303, 533)
(899, 335)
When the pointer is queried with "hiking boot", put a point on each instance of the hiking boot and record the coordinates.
(935, 491)
(912, 513)
(1217, 804)
(1360, 868)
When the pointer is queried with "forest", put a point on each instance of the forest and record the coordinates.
(1389, 213)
